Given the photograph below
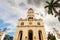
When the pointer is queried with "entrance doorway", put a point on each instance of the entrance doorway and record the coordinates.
(30, 35)
(20, 35)
(40, 35)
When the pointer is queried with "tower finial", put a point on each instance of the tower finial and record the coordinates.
(30, 12)
(30, 9)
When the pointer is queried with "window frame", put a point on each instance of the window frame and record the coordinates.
(22, 23)
(38, 23)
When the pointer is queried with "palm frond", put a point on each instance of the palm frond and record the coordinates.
(59, 18)
(46, 6)
(47, 2)
(56, 13)
(59, 12)
(52, 1)
(57, 5)
(56, 1)
(55, 10)
(49, 10)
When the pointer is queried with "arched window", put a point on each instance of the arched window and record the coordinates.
(30, 35)
(21, 33)
(30, 18)
(38, 23)
(22, 23)
(40, 35)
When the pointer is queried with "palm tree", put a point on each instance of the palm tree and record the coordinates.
(51, 7)
(59, 15)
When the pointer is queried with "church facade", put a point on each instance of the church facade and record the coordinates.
(30, 28)
(2, 34)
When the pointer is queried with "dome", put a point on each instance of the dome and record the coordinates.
(30, 9)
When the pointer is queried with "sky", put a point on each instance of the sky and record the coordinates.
(12, 10)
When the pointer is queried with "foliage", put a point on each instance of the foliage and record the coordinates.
(51, 36)
(8, 37)
(52, 8)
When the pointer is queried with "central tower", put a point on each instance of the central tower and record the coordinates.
(30, 13)
(30, 28)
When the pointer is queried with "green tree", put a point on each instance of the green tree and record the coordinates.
(11, 38)
(8, 37)
(51, 8)
(51, 36)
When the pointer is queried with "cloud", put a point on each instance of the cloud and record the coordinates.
(51, 22)
(23, 5)
(3, 24)
(12, 10)
(8, 16)
(34, 2)
(1, 21)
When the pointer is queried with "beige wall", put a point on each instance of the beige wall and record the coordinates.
(35, 32)
(34, 22)
(2, 35)
(27, 26)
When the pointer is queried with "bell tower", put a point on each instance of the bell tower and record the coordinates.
(30, 15)
(30, 28)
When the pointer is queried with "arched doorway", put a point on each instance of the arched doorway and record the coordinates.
(30, 35)
(21, 33)
(40, 35)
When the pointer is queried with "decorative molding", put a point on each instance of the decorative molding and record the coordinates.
(30, 26)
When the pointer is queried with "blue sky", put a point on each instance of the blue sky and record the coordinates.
(12, 10)
(3, 24)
